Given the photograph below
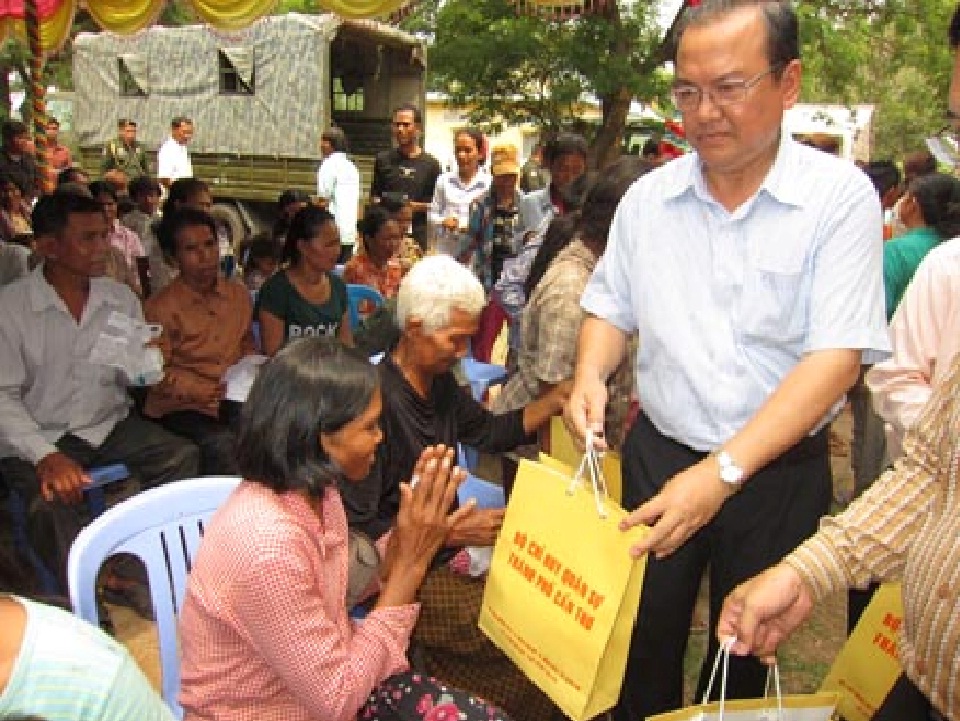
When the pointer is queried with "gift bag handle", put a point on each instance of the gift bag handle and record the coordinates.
(723, 657)
(591, 464)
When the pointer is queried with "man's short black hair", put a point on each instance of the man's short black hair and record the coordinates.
(312, 386)
(169, 227)
(564, 144)
(52, 213)
(70, 175)
(12, 129)
(180, 120)
(125, 123)
(102, 187)
(409, 108)
(884, 174)
(779, 17)
(142, 186)
(337, 138)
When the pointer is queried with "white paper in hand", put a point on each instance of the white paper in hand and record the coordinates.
(239, 377)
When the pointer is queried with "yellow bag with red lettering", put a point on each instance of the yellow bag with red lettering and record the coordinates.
(867, 666)
(562, 593)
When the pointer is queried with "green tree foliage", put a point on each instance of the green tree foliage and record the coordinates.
(892, 54)
(508, 67)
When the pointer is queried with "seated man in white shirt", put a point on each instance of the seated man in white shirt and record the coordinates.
(60, 411)
(173, 158)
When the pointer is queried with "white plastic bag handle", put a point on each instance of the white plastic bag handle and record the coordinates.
(591, 465)
(723, 655)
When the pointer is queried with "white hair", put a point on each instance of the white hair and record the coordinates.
(433, 288)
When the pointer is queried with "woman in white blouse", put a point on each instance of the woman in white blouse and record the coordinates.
(455, 195)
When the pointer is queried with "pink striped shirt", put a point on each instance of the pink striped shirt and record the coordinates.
(264, 629)
(925, 334)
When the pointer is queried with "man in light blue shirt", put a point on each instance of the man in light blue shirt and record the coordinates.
(752, 271)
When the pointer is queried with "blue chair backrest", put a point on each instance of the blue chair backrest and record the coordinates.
(485, 493)
(482, 375)
(357, 293)
(162, 527)
(100, 476)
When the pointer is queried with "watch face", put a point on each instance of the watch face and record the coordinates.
(730, 474)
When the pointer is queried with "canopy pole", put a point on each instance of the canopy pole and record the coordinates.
(31, 18)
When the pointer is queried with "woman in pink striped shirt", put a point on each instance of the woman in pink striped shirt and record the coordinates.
(265, 630)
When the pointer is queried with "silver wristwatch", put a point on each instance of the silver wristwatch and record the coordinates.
(730, 472)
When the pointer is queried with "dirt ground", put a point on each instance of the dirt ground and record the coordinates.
(804, 659)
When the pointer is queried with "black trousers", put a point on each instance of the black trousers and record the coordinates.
(214, 437)
(152, 454)
(905, 702)
(776, 509)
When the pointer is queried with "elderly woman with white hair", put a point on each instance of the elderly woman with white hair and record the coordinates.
(438, 308)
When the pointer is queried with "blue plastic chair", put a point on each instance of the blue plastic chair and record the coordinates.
(357, 293)
(481, 376)
(487, 494)
(162, 527)
(100, 476)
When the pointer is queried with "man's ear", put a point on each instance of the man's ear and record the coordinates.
(790, 82)
(46, 246)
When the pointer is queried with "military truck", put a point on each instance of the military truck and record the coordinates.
(259, 98)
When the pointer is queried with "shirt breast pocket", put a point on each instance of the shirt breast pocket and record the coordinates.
(774, 303)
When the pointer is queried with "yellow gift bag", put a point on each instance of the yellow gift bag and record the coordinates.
(562, 593)
(867, 666)
(803, 707)
(564, 450)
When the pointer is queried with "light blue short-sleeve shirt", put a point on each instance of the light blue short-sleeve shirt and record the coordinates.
(69, 670)
(727, 303)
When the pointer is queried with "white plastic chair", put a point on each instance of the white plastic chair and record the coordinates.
(162, 527)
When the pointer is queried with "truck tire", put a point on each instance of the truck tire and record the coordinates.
(228, 217)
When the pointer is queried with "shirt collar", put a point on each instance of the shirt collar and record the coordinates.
(780, 183)
(220, 290)
(44, 296)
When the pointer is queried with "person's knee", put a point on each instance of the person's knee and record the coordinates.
(183, 460)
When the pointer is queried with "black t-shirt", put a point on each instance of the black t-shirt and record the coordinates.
(394, 172)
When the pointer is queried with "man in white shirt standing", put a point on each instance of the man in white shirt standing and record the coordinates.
(173, 159)
(338, 187)
(751, 271)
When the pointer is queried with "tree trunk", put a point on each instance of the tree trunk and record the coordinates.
(5, 105)
(606, 144)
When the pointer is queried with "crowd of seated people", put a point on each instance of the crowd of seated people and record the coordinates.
(100, 251)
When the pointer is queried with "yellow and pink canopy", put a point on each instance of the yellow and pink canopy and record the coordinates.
(126, 17)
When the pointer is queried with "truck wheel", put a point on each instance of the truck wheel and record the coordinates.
(228, 217)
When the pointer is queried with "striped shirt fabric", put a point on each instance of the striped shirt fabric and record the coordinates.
(907, 526)
(69, 670)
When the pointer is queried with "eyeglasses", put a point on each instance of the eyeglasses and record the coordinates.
(725, 92)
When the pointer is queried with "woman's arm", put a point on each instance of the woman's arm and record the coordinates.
(271, 332)
(345, 332)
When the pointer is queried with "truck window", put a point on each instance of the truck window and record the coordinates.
(134, 74)
(236, 71)
(347, 92)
